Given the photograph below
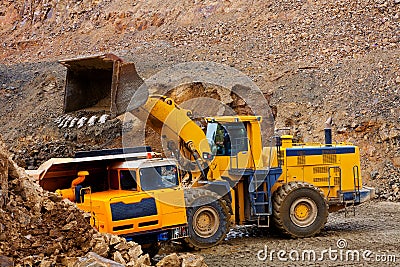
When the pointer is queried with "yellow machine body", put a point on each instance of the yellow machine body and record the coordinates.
(334, 168)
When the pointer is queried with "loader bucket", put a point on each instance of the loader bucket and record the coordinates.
(101, 82)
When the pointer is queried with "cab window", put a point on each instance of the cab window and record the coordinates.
(227, 139)
(128, 179)
(158, 177)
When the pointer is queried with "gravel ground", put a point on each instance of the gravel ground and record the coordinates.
(374, 233)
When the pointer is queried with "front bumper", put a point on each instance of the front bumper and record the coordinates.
(155, 236)
(363, 195)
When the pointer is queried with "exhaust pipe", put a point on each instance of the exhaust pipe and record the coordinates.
(328, 132)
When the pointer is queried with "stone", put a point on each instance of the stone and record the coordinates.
(114, 240)
(46, 263)
(395, 190)
(122, 246)
(93, 259)
(171, 260)
(69, 226)
(131, 244)
(394, 133)
(135, 252)
(384, 135)
(143, 261)
(374, 174)
(6, 262)
(190, 260)
(396, 162)
(70, 218)
(118, 258)
(68, 261)
(101, 248)
(48, 205)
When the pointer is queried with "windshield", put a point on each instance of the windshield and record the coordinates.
(227, 139)
(158, 177)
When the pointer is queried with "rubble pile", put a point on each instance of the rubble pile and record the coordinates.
(38, 228)
(388, 181)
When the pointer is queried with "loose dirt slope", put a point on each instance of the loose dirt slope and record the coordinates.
(313, 59)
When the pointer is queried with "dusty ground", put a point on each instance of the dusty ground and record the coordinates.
(376, 227)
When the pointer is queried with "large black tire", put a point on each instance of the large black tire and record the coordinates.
(208, 218)
(300, 209)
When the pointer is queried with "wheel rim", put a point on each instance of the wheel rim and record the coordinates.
(205, 222)
(303, 212)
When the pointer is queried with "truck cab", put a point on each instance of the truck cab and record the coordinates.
(136, 197)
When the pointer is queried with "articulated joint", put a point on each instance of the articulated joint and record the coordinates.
(192, 148)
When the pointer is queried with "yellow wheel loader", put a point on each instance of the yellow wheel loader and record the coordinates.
(232, 176)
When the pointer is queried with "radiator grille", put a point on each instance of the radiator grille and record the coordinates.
(122, 211)
(329, 158)
(301, 160)
(320, 170)
(321, 180)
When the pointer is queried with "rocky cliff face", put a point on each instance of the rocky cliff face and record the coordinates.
(313, 59)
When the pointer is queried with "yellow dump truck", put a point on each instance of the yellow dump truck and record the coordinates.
(132, 193)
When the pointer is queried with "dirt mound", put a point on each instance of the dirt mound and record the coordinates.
(28, 225)
(36, 224)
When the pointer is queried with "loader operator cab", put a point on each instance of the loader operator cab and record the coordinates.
(227, 139)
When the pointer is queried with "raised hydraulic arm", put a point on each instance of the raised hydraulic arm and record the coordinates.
(178, 131)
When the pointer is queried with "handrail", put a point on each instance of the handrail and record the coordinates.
(356, 175)
(318, 144)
